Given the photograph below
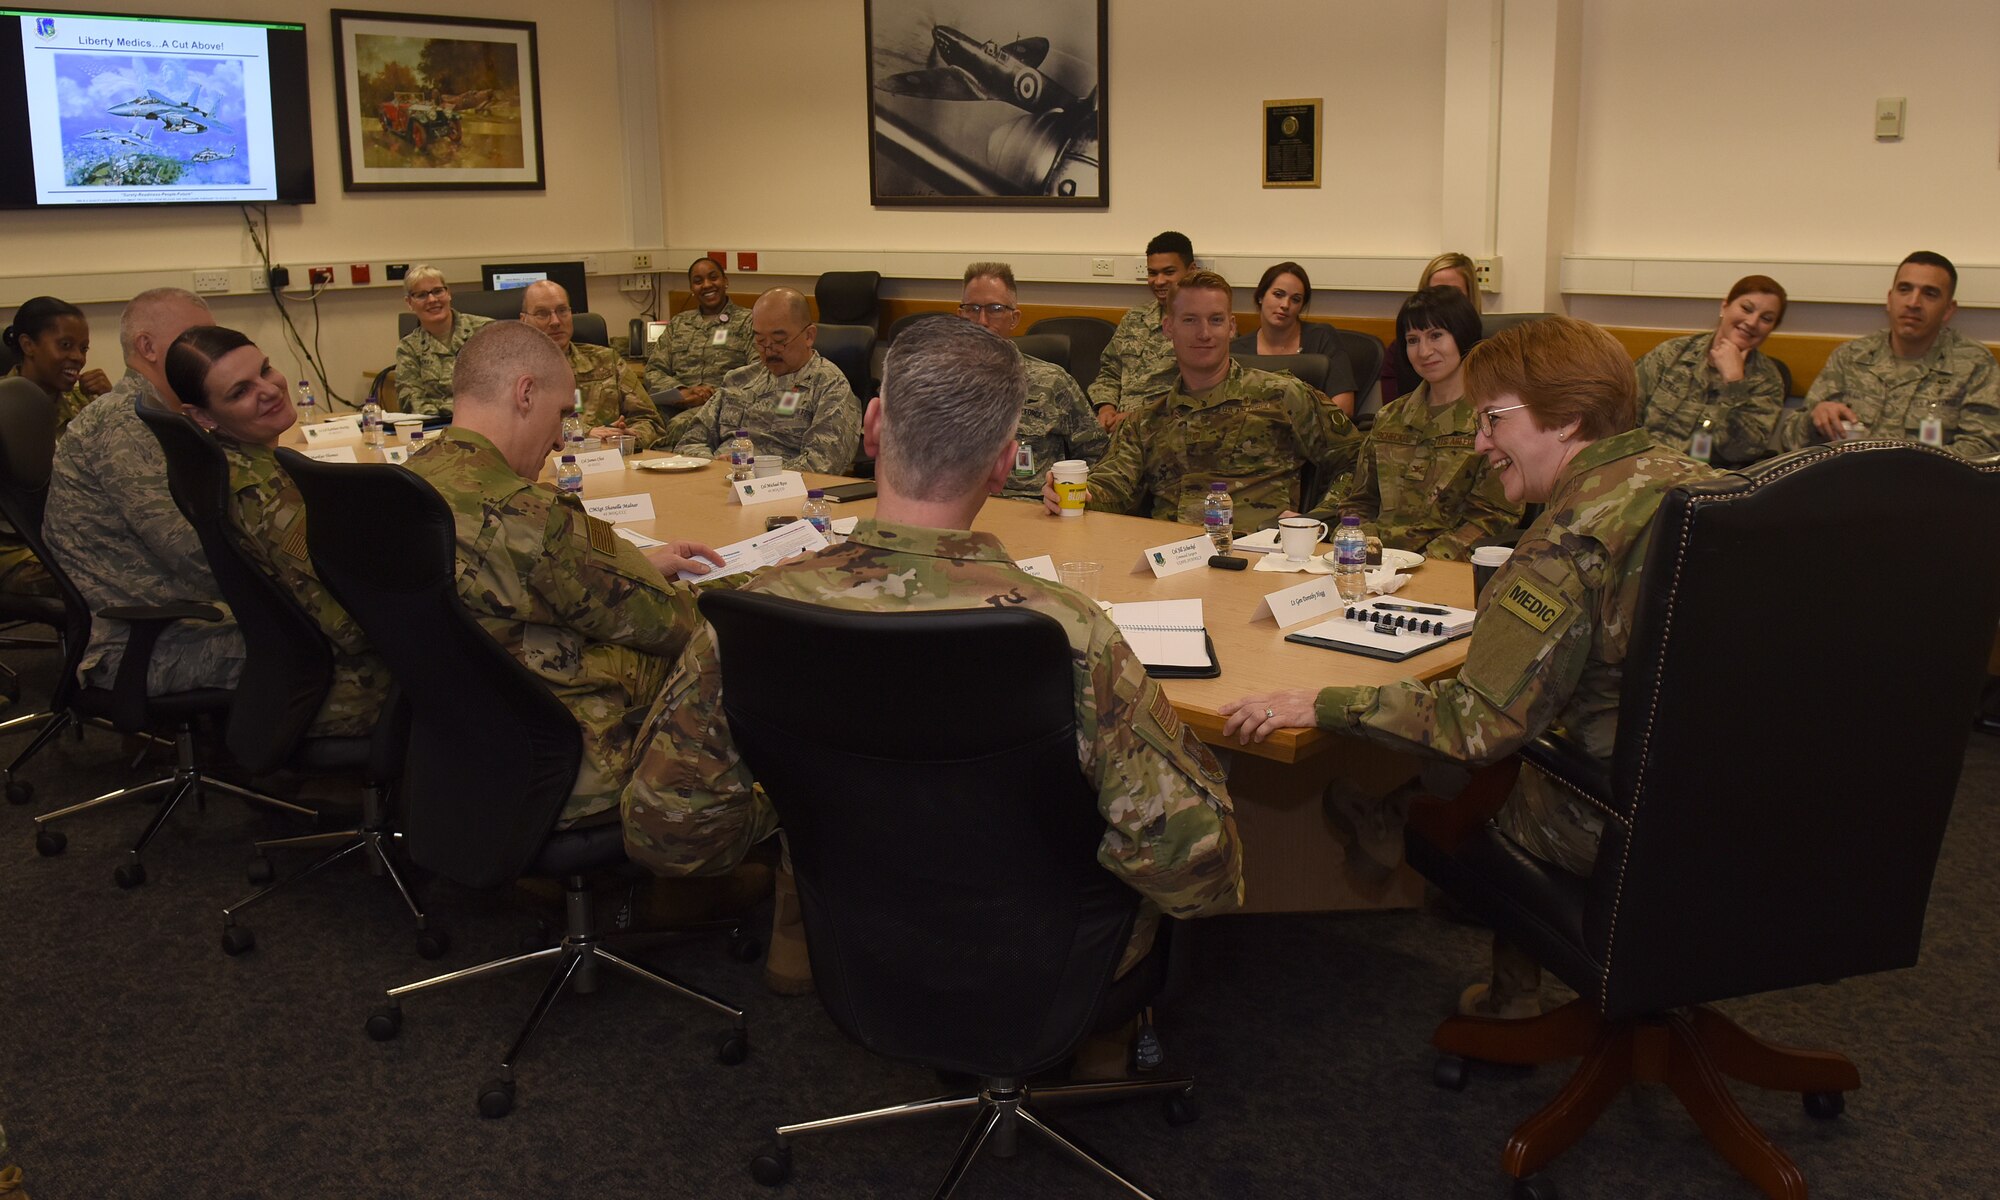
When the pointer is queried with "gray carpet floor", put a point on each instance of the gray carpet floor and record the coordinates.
(136, 1060)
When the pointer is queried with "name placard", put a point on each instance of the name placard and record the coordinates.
(1042, 566)
(593, 462)
(339, 429)
(1175, 557)
(620, 509)
(1301, 602)
(332, 454)
(785, 485)
(395, 454)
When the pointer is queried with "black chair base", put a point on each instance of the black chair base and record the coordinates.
(576, 959)
(1690, 1050)
(1000, 1107)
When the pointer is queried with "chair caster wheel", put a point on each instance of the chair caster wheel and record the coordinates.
(1180, 1108)
(735, 1047)
(774, 1168)
(432, 943)
(745, 948)
(1825, 1105)
(1449, 1072)
(385, 1023)
(130, 875)
(1534, 1188)
(260, 871)
(237, 939)
(496, 1098)
(50, 842)
(19, 791)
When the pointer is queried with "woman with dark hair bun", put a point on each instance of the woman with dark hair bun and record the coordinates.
(1282, 296)
(1420, 485)
(51, 338)
(1715, 395)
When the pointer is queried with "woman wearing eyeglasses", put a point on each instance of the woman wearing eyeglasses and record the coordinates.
(424, 359)
(1553, 403)
(1419, 484)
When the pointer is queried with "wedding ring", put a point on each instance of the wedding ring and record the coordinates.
(1270, 714)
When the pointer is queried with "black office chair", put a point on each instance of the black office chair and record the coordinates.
(30, 453)
(1750, 843)
(493, 754)
(125, 706)
(850, 348)
(1784, 374)
(1088, 336)
(1492, 323)
(1309, 369)
(994, 964)
(288, 669)
(849, 298)
(1052, 348)
(1364, 358)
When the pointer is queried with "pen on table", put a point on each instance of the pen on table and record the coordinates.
(1412, 608)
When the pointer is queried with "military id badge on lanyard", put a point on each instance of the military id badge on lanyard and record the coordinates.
(788, 401)
(721, 334)
(1024, 460)
(1930, 430)
(1702, 444)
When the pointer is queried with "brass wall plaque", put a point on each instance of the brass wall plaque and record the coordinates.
(1291, 143)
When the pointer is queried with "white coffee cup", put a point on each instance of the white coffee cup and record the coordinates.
(766, 465)
(1300, 536)
(1070, 475)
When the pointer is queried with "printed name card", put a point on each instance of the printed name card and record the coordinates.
(332, 454)
(1300, 602)
(1041, 567)
(785, 485)
(593, 462)
(396, 454)
(340, 429)
(621, 509)
(1175, 557)
(638, 539)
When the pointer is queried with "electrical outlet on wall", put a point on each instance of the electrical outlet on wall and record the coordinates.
(642, 262)
(319, 276)
(1488, 270)
(1104, 267)
(211, 281)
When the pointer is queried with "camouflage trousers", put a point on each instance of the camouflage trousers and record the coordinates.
(189, 655)
(23, 574)
(1541, 816)
(354, 703)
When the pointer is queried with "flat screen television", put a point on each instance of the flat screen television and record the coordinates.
(498, 277)
(125, 109)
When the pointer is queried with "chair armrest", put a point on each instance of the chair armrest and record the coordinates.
(1446, 823)
(128, 689)
(163, 614)
(1570, 766)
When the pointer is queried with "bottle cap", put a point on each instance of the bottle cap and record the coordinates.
(815, 493)
(1350, 520)
(742, 433)
(568, 458)
(1218, 486)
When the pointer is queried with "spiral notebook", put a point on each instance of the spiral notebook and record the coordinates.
(1388, 629)
(1169, 638)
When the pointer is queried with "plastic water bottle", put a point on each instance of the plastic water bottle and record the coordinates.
(371, 424)
(572, 427)
(308, 404)
(1350, 559)
(1218, 516)
(569, 476)
(742, 457)
(819, 512)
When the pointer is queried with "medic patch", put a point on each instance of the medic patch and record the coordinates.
(1532, 604)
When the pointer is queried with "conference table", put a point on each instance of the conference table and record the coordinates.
(1296, 857)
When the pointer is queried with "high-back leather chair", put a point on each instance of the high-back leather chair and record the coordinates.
(992, 964)
(849, 298)
(1364, 359)
(28, 443)
(1088, 336)
(493, 754)
(1778, 792)
(1051, 348)
(851, 348)
(287, 673)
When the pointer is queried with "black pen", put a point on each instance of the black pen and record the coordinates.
(1412, 608)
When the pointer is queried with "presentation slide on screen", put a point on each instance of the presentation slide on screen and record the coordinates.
(133, 111)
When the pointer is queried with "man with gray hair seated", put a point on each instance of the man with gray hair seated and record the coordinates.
(792, 402)
(1056, 421)
(424, 358)
(942, 433)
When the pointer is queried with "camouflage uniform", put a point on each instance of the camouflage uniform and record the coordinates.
(113, 528)
(423, 365)
(1056, 423)
(1171, 831)
(821, 432)
(1420, 485)
(21, 573)
(1138, 361)
(1254, 429)
(576, 604)
(1548, 650)
(269, 517)
(1892, 396)
(686, 354)
(1679, 390)
(609, 393)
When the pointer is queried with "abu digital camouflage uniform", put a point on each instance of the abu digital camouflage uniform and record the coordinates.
(1056, 424)
(1419, 484)
(1138, 361)
(609, 392)
(1680, 391)
(1548, 647)
(1255, 429)
(113, 528)
(1170, 829)
(809, 418)
(423, 365)
(1956, 382)
(269, 518)
(687, 354)
(576, 604)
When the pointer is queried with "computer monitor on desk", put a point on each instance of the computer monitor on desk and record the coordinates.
(499, 277)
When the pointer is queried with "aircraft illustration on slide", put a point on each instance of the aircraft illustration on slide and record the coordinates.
(178, 116)
(115, 138)
(209, 154)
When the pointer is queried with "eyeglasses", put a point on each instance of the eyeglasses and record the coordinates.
(1486, 418)
(548, 314)
(774, 341)
(991, 310)
(430, 293)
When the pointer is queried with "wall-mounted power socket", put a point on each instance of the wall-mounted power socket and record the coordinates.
(1103, 267)
(1489, 274)
(211, 281)
(319, 276)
